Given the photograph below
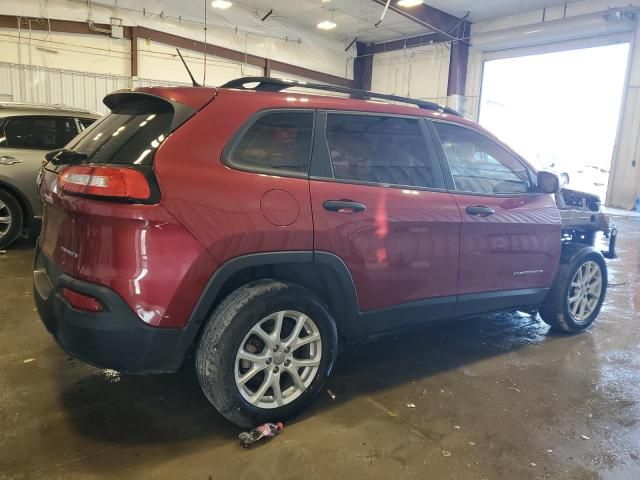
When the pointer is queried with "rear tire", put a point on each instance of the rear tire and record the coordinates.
(253, 373)
(578, 291)
(11, 218)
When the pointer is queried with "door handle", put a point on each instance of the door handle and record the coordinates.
(480, 211)
(344, 206)
(8, 160)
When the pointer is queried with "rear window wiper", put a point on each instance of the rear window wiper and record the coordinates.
(65, 155)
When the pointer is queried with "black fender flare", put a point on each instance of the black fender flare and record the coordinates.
(571, 250)
(344, 286)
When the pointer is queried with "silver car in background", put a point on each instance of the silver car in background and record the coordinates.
(27, 132)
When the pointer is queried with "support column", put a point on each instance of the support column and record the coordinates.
(363, 67)
(458, 67)
(624, 180)
(134, 54)
(267, 67)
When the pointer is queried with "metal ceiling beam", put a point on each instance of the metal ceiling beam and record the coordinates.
(392, 45)
(441, 27)
(62, 26)
(425, 15)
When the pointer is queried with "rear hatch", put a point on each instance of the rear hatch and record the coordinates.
(100, 189)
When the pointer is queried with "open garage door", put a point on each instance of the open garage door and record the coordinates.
(560, 110)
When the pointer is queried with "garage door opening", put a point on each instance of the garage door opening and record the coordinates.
(559, 110)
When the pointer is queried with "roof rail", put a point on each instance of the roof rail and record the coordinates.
(266, 84)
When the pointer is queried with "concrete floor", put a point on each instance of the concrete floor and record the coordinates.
(495, 398)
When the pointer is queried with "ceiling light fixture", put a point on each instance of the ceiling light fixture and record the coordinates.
(328, 24)
(409, 3)
(221, 4)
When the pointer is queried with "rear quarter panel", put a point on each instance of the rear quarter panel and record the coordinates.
(222, 207)
(139, 251)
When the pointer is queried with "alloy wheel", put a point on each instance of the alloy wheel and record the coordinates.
(278, 359)
(5, 219)
(585, 291)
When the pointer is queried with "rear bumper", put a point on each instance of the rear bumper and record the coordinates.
(115, 338)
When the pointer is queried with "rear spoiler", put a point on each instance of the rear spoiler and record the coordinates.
(181, 112)
(185, 101)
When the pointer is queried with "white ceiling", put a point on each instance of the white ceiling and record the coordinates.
(489, 9)
(357, 17)
(354, 18)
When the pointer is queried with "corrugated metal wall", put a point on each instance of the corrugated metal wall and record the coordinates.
(20, 83)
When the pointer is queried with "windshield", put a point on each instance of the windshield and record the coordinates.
(128, 135)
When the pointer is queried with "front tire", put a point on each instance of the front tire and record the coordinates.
(266, 352)
(10, 219)
(578, 291)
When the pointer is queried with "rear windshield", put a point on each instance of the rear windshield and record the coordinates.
(128, 135)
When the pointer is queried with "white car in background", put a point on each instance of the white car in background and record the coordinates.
(585, 178)
(27, 132)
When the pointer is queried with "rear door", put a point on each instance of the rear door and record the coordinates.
(379, 204)
(510, 238)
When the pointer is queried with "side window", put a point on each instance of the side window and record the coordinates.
(276, 141)
(85, 123)
(380, 149)
(479, 165)
(42, 133)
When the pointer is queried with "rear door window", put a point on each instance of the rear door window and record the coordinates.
(128, 135)
(276, 141)
(381, 149)
(479, 165)
(37, 132)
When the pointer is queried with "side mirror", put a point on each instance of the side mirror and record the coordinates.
(548, 182)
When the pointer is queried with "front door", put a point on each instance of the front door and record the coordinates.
(510, 237)
(379, 204)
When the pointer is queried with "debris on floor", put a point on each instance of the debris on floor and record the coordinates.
(331, 394)
(514, 389)
(267, 430)
(3, 252)
(584, 437)
(533, 464)
(446, 453)
(411, 405)
(29, 360)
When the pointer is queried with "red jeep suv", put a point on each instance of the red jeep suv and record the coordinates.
(259, 226)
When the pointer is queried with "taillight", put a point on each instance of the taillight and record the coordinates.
(114, 182)
(82, 301)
